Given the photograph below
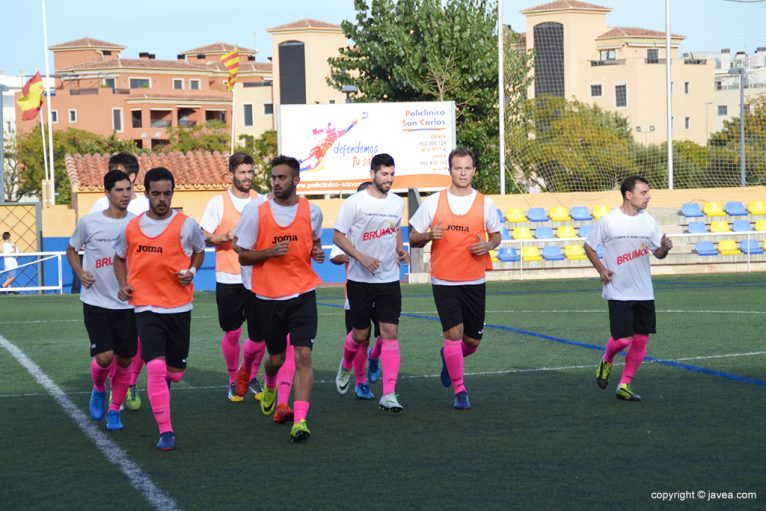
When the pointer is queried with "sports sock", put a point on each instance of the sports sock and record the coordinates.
(270, 381)
(453, 357)
(112, 368)
(99, 375)
(159, 394)
(175, 377)
(614, 346)
(634, 357)
(230, 349)
(285, 376)
(360, 365)
(467, 349)
(120, 382)
(301, 410)
(136, 364)
(350, 349)
(390, 360)
(252, 355)
(375, 352)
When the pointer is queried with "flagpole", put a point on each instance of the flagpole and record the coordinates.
(233, 116)
(52, 182)
(45, 154)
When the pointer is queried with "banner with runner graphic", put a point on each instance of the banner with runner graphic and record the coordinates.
(335, 143)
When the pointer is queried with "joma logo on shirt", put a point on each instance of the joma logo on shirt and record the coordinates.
(639, 252)
(383, 231)
(287, 237)
(149, 248)
(104, 261)
(461, 228)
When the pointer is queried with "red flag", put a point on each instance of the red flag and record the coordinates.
(231, 63)
(31, 99)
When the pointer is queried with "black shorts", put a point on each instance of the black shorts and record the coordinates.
(254, 330)
(110, 330)
(230, 299)
(295, 316)
(384, 299)
(375, 323)
(631, 317)
(462, 304)
(164, 335)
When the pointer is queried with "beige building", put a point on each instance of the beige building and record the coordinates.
(620, 69)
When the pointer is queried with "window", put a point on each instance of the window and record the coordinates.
(607, 55)
(178, 83)
(723, 110)
(248, 115)
(595, 90)
(110, 83)
(106, 53)
(55, 116)
(621, 95)
(652, 56)
(117, 119)
(72, 115)
(686, 87)
(139, 83)
(135, 119)
(194, 84)
(687, 122)
(268, 108)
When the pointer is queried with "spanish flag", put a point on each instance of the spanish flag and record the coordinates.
(231, 62)
(31, 99)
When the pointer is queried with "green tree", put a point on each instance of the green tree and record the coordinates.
(726, 162)
(209, 136)
(263, 149)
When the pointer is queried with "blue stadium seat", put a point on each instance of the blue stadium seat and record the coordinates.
(750, 247)
(508, 255)
(585, 230)
(697, 227)
(504, 234)
(600, 251)
(705, 248)
(537, 215)
(553, 253)
(735, 208)
(500, 216)
(691, 210)
(741, 226)
(581, 213)
(544, 233)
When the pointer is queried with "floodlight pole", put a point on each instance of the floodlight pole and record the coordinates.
(669, 93)
(3, 88)
(501, 93)
(742, 163)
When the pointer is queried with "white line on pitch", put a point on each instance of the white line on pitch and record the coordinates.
(140, 481)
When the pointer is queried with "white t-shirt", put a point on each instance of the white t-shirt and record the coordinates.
(136, 206)
(628, 241)
(212, 218)
(247, 231)
(335, 251)
(459, 205)
(10, 262)
(96, 233)
(371, 225)
(192, 242)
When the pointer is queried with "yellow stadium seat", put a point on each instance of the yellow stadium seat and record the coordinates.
(757, 207)
(515, 215)
(530, 253)
(522, 233)
(559, 214)
(713, 209)
(566, 231)
(728, 247)
(574, 252)
(600, 211)
(760, 225)
(493, 256)
(719, 226)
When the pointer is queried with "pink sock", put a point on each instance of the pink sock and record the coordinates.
(614, 346)
(301, 410)
(285, 376)
(467, 349)
(350, 349)
(634, 357)
(112, 368)
(375, 353)
(270, 381)
(252, 355)
(230, 349)
(175, 377)
(389, 362)
(159, 395)
(453, 357)
(99, 375)
(360, 365)
(120, 382)
(135, 365)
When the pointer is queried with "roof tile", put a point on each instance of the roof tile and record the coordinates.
(86, 41)
(304, 23)
(562, 5)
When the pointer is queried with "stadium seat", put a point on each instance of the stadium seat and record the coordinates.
(493, 256)
(719, 226)
(691, 210)
(522, 233)
(543, 233)
(581, 213)
(713, 209)
(705, 248)
(566, 231)
(559, 214)
(508, 255)
(728, 247)
(741, 226)
(530, 253)
(500, 215)
(573, 252)
(537, 215)
(735, 208)
(504, 234)
(750, 247)
(585, 230)
(600, 211)
(697, 227)
(600, 251)
(757, 207)
(515, 215)
(760, 225)
(553, 253)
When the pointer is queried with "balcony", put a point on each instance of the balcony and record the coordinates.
(612, 62)
(655, 61)
(183, 123)
(695, 62)
(83, 92)
(160, 123)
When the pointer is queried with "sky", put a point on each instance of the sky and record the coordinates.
(168, 27)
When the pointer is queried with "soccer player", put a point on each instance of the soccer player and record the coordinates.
(109, 321)
(278, 239)
(10, 262)
(368, 230)
(457, 221)
(218, 223)
(629, 235)
(156, 259)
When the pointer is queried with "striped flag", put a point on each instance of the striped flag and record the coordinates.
(231, 62)
(31, 99)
